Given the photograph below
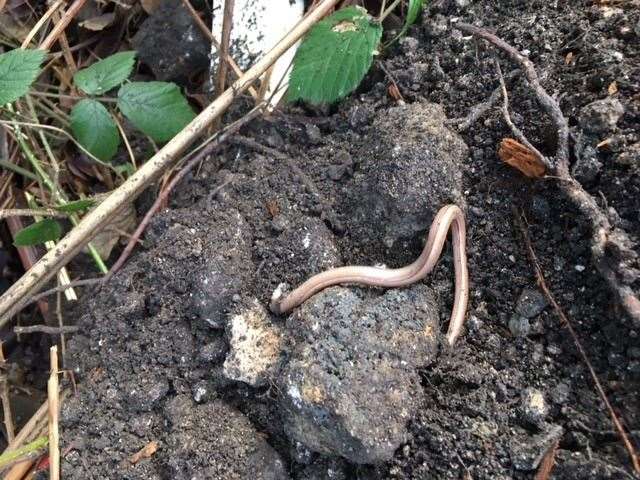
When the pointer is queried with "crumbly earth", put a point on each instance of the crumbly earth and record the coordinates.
(513, 386)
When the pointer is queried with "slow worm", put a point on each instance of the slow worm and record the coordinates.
(449, 217)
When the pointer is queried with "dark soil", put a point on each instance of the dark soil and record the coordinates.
(149, 358)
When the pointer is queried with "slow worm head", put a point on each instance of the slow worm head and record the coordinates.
(450, 217)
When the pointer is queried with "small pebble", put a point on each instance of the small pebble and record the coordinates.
(533, 407)
(579, 268)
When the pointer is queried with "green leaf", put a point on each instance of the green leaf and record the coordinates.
(415, 6)
(126, 169)
(94, 128)
(39, 232)
(106, 74)
(334, 57)
(18, 69)
(156, 108)
(75, 206)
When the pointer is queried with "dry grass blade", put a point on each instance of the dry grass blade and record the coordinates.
(6, 401)
(583, 354)
(59, 27)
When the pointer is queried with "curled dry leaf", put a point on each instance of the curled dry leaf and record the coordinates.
(99, 23)
(145, 452)
(121, 226)
(518, 156)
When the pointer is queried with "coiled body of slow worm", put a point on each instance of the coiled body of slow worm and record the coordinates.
(450, 217)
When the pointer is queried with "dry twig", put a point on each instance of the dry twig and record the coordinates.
(611, 248)
(583, 354)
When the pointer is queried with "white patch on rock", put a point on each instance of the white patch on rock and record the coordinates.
(254, 346)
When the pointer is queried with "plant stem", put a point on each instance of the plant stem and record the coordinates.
(388, 11)
(17, 169)
(13, 455)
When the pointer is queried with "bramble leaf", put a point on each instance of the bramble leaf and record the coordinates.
(39, 232)
(18, 69)
(94, 128)
(106, 74)
(157, 108)
(334, 57)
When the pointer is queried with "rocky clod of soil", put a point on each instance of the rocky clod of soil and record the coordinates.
(351, 382)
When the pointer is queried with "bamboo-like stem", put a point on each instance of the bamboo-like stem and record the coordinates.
(92, 223)
(53, 392)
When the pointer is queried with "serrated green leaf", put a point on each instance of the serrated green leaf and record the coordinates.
(75, 206)
(106, 74)
(156, 108)
(39, 232)
(94, 128)
(334, 57)
(18, 69)
(415, 6)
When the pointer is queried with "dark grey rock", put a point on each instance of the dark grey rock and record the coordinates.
(587, 166)
(232, 448)
(533, 408)
(225, 273)
(519, 326)
(171, 44)
(351, 385)
(600, 117)
(410, 170)
(314, 135)
(325, 469)
(144, 391)
(531, 303)
(560, 393)
(527, 451)
(214, 351)
(342, 166)
(306, 245)
(577, 466)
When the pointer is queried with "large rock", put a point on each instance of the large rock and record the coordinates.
(351, 384)
(410, 169)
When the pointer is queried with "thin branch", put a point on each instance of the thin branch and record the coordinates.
(46, 329)
(516, 131)
(227, 23)
(605, 238)
(549, 104)
(216, 43)
(583, 354)
(59, 27)
(30, 212)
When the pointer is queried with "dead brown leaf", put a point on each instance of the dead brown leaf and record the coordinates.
(394, 92)
(150, 6)
(121, 226)
(145, 452)
(520, 157)
(98, 23)
(612, 88)
(546, 466)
